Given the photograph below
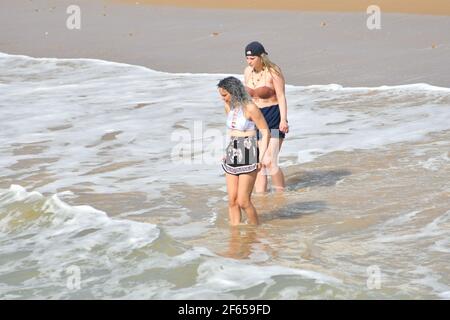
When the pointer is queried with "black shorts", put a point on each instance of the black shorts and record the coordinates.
(273, 118)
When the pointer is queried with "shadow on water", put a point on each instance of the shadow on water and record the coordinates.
(294, 210)
(246, 240)
(314, 178)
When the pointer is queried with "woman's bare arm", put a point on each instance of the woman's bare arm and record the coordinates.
(279, 85)
(258, 118)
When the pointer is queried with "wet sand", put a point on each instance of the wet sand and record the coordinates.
(311, 47)
(438, 7)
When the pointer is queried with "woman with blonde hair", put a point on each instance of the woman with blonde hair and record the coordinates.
(265, 83)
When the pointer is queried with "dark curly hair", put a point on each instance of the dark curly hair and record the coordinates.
(234, 86)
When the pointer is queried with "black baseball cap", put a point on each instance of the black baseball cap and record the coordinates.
(255, 49)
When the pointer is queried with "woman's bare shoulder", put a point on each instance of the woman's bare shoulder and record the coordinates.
(276, 72)
(251, 107)
(227, 108)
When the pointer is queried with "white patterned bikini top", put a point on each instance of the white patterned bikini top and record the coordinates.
(237, 121)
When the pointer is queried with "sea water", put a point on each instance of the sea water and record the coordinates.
(111, 187)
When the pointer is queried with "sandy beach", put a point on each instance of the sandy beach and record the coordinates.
(438, 7)
(312, 47)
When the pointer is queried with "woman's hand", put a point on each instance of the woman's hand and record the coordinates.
(265, 161)
(284, 127)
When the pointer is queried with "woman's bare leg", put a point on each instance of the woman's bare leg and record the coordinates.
(278, 182)
(234, 212)
(261, 179)
(245, 187)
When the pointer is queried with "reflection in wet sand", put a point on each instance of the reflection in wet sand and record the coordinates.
(248, 240)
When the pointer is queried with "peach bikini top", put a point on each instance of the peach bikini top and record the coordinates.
(263, 92)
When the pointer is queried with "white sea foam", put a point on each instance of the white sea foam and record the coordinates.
(108, 252)
(437, 227)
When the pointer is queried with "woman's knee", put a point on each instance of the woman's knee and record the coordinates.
(232, 202)
(272, 168)
(244, 202)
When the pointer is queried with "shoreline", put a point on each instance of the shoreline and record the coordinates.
(431, 7)
(312, 48)
(395, 86)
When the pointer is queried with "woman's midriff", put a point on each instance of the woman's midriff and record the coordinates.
(262, 103)
(238, 133)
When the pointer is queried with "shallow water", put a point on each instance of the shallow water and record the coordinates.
(96, 202)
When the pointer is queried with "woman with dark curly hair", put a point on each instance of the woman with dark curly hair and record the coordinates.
(243, 155)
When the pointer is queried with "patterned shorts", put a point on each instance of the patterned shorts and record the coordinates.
(242, 155)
